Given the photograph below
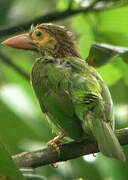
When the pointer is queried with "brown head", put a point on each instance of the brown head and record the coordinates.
(48, 39)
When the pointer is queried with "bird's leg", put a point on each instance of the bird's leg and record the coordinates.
(56, 142)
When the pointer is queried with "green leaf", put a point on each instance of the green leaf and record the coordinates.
(33, 177)
(115, 19)
(111, 37)
(4, 8)
(29, 174)
(113, 72)
(85, 36)
(101, 54)
(125, 57)
(8, 170)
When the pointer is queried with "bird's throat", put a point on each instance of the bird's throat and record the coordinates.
(60, 52)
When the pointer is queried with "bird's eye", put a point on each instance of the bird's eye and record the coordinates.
(38, 34)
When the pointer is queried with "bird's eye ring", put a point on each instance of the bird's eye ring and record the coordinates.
(37, 35)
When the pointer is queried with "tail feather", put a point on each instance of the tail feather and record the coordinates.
(107, 141)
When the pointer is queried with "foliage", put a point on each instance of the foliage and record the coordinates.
(8, 169)
(23, 127)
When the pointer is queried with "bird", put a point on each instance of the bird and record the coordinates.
(71, 93)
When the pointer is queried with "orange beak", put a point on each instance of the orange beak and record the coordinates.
(22, 41)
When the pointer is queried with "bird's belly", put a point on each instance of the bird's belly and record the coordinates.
(61, 116)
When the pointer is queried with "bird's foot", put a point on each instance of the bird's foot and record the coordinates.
(53, 165)
(56, 142)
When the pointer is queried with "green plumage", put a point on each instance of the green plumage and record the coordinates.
(71, 93)
(77, 101)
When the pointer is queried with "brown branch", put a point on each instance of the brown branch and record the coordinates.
(68, 151)
(5, 59)
(54, 16)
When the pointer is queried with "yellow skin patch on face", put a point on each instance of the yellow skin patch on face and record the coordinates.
(43, 39)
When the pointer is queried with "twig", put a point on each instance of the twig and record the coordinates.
(54, 16)
(5, 59)
(68, 151)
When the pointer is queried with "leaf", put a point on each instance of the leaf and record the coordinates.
(101, 54)
(33, 177)
(84, 34)
(111, 37)
(8, 170)
(4, 8)
(113, 72)
(29, 174)
(115, 19)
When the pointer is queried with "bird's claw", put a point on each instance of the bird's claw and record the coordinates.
(54, 165)
(56, 142)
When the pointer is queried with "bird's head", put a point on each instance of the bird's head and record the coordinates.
(48, 39)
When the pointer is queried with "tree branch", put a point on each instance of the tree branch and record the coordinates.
(5, 59)
(54, 16)
(67, 151)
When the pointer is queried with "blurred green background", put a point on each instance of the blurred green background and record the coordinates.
(23, 127)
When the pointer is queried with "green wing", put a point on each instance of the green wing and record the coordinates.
(93, 106)
(50, 81)
(77, 101)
